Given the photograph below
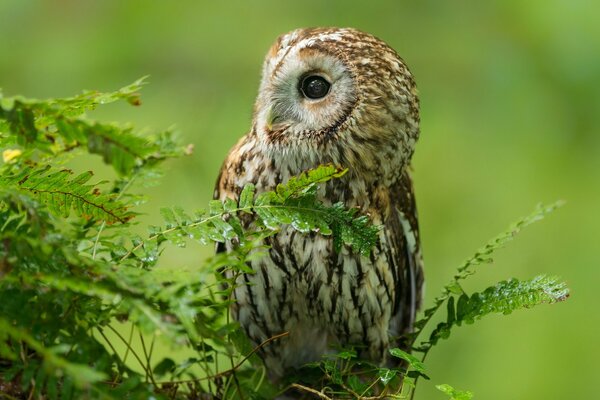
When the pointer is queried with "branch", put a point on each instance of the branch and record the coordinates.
(310, 390)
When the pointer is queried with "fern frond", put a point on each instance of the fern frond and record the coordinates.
(56, 125)
(293, 203)
(481, 256)
(72, 106)
(502, 298)
(65, 281)
(62, 193)
(308, 180)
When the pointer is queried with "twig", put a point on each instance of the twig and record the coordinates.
(231, 370)
(262, 378)
(310, 390)
(349, 390)
(7, 396)
(206, 368)
(97, 241)
(264, 343)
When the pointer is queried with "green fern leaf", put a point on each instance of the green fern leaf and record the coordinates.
(453, 393)
(483, 255)
(413, 362)
(56, 125)
(503, 298)
(308, 180)
(247, 197)
(293, 203)
(61, 193)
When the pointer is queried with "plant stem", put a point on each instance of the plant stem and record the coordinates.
(238, 365)
(140, 361)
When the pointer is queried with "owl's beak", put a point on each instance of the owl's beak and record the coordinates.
(273, 120)
(271, 117)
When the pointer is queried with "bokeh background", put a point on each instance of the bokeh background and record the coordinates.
(510, 95)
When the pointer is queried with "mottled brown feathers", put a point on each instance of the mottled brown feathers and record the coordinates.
(369, 123)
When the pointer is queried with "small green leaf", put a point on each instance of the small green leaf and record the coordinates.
(386, 375)
(356, 384)
(453, 393)
(346, 354)
(331, 368)
(169, 216)
(413, 361)
(247, 197)
(165, 366)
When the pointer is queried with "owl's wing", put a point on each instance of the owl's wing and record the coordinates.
(232, 168)
(403, 253)
(232, 175)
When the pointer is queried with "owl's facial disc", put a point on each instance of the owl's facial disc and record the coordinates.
(306, 93)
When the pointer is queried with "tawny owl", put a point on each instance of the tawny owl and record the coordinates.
(340, 96)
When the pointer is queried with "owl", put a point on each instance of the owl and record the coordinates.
(342, 97)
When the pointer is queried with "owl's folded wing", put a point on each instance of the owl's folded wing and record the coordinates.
(402, 248)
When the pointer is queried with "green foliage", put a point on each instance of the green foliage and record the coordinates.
(481, 256)
(294, 203)
(69, 257)
(56, 126)
(345, 375)
(453, 393)
(77, 284)
(413, 362)
(60, 194)
(503, 298)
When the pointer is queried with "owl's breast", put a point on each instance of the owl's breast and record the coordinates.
(370, 168)
(323, 298)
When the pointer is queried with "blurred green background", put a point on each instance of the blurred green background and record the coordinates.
(510, 94)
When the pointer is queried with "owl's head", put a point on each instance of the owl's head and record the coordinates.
(326, 86)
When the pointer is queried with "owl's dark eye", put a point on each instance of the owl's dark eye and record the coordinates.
(314, 87)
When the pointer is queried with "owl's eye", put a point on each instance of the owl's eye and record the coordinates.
(314, 87)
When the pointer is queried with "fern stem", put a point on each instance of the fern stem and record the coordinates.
(97, 239)
(140, 361)
(123, 190)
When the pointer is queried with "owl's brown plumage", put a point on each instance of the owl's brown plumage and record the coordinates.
(338, 96)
